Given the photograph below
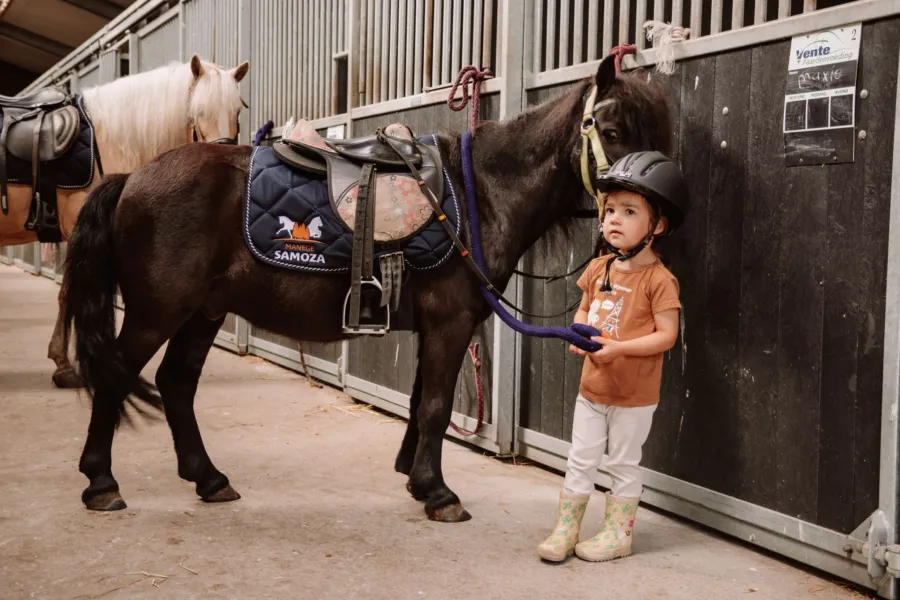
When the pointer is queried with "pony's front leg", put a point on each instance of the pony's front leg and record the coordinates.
(65, 375)
(443, 351)
(407, 454)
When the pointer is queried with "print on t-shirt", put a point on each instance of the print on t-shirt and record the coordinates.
(610, 326)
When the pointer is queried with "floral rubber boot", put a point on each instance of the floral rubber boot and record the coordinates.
(614, 538)
(561, 543)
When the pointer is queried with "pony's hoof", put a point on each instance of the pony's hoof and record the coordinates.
(66, 378)
(106, 501)
(226, 494)
(452, 513)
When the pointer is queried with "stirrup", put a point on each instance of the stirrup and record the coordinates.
(377, 326)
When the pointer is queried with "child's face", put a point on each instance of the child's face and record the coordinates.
(627, 219)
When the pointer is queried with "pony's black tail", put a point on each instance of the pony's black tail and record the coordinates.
(89, 287)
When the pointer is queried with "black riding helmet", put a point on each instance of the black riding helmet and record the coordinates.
(656, 177)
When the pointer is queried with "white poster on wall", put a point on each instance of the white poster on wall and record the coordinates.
(820, 97)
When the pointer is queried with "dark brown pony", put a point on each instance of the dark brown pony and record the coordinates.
(169, 235)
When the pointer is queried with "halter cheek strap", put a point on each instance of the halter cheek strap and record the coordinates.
(590, 139)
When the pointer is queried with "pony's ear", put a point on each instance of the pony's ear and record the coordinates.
(196, 67)
(240, 71)
(606, 75)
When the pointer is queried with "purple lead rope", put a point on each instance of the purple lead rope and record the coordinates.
(577, 338)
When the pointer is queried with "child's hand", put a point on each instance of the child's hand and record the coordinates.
(576, 350)
(611, 349)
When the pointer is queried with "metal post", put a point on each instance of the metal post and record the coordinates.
(624, 19)
(737, 14)
(245, 33)
(715, 22)
(608, 8)
(422, 53)
(134, 55)
(393, 15)
(181, 44)
(550, 48)
(578, 34)
(355, 49)
(890, 390)
(505, 376)
(640, 17)
(593, 29)
(477, 33)
(784, 8)
(759, 12)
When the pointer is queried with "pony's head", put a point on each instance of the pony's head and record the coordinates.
(215, 101)
(627, 113)
(142, 115)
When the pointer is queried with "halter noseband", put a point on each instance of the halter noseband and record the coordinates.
(224, 140)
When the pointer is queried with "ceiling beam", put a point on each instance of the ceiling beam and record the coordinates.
(38, 42)
(101, 8)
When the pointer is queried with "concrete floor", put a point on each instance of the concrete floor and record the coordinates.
(323, 514)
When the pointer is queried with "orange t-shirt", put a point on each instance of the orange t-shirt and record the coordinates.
(624, 314)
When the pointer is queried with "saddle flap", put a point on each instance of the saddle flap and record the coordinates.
(59, 129)
(372, 149)
(401, 208)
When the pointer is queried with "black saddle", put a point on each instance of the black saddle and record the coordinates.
(37, 128)
(359, 170)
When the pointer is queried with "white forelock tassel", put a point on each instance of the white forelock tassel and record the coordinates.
(664, 36)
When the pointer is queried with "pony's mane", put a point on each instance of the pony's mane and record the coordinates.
(139, 116)
(644, 108)
(142, 115)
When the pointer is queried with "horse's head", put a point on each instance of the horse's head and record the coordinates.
(622, 114)
(216, 102)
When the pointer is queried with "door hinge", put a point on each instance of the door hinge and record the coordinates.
(883, 559)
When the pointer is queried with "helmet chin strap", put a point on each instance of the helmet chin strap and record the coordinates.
(619, 255)
(622, 256)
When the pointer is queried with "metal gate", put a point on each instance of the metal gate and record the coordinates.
(159, 42)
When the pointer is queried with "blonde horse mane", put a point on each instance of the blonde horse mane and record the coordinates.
(142, 115)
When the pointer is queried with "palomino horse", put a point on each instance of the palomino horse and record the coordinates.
(180, 276)
(136, 118)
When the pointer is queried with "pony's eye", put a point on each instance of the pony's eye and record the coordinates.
(610, 135)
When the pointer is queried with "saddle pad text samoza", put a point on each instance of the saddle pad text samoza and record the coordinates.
(74, 170)
(289, 221)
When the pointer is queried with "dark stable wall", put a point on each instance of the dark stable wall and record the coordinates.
(777, 400)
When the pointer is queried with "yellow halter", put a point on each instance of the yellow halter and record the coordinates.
(590, 136)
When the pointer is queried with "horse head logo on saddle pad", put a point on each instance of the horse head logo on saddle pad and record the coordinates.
(300, 231)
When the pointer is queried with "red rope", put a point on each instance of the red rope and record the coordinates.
(620, 52)
(467, 75)
(470, 75)
(476, 366)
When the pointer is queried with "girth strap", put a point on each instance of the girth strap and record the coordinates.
(4, 130)
(37, 210)
(363, 241)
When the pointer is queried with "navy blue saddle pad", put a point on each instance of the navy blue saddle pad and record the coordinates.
(289, 221)
(74, 170)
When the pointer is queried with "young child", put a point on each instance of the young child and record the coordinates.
(633, 300)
